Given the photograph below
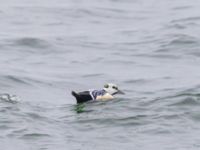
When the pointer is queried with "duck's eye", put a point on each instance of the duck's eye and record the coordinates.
(114, 87)
(106, 86)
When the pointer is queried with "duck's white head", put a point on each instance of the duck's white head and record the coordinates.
(112, 89)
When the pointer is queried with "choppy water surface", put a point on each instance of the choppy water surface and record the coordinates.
(151, 49)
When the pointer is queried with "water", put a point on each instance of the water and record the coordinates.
(149, 48)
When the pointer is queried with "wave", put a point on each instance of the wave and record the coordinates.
(186, 99)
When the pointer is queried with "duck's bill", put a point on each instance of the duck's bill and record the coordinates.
(120, 92)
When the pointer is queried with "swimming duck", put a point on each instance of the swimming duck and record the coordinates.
(106, 93)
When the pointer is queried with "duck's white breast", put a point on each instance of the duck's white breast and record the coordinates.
(106, 96)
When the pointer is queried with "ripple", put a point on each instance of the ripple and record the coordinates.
(116, 121)
(36, 116)
(11, 80)
(182, 39)
(177, 26)
(187, 19)
(15, 79)
(137, 81)
(182, 7)
(31, 42)
(165, 56)
(195, 116)
(5, 127)
(92, 75)
(34, 135)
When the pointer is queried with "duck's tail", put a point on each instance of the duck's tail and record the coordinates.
(82, 96)
(78, 97)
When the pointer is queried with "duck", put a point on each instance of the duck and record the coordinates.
(107, 93)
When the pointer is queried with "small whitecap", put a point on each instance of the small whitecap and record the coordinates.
(9, 98)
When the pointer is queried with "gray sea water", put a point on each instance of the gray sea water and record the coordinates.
(151, 49)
